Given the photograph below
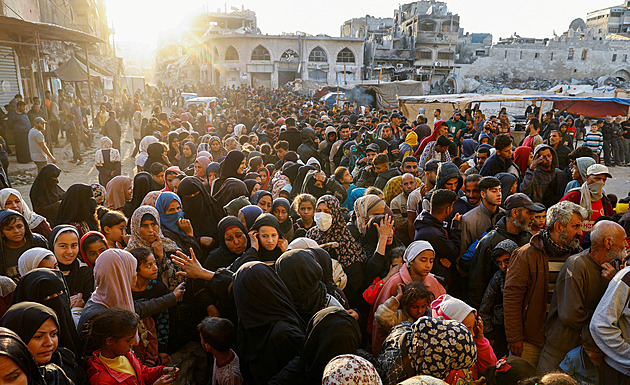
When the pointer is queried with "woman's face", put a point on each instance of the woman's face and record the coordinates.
(235, 240)
(93, 250)
(187, 152)
(116, 232)
(423, 263)
(49, 263)
(175, 143)
(66, 247)
(418, 308)
(10, 372)
(170, 176)
(253, 141)
(175, 185)
(230, 128)
(215, 146)
(256, 188)
(306, 211)
(44, 342)
(281, 213)
(149, 231)
(263, 176)
(265, 203)
(199, 170)
(174, 207)
(14, 231)
(242, 167)
(268, 237)
(129, 193)
(14, 203)
(323, 208)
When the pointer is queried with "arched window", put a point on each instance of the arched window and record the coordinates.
(260, 53)
(318, 55)
(215, 55)
(231, 54)
(289, 56)
(345, 56)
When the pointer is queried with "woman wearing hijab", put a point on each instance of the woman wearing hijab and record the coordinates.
(12, 199)
(146, 232)
(171, 182)
(201, 163)
(364, 209)
(252, 186)
(38, 326)
(46, 194)
(264, 177)
(34, 258)
(439, 128)
(233, 242)
(64, 243)
(231, 189)
(523, 158)
(189, 154)
(248, 215)
(17, 360)
(270, 332)
(107, 161)
(303, 276)
(411, 349)
(216, 147)
(578, 172)
(329, 265)
(408, 147)
(142, 157)
(119, 192)
(99, 193)
(157, 154)
(142, 185)
(284, 178)
(47, 287)
(508, 185)
(331, 227)
(78, 208)
(233, 166)
(378, 243)
(267, 242)
(203, 211)
(263, 199)
(173, 153)
(174, 225)
(114, 273)
(281, 209)
(15, 241)
(350, 369)
(91, 245)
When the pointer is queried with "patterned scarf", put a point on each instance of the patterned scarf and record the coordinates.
(554, 249)
(136, 239)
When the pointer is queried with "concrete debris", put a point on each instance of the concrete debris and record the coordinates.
(495, 84)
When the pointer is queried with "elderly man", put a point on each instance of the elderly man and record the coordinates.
(580, 285)
(591, 195)
(532, 273)
(399, 208)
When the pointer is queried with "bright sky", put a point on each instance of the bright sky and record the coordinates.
(143, 21)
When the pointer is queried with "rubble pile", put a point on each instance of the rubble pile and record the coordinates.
(495, 84)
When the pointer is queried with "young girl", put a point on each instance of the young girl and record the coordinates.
(15, 239)
(410, 303)
(114, 333)
(281, 209)
(267, 242)
(12, 199)
(91, 246)
(305, 205)
(113, 227)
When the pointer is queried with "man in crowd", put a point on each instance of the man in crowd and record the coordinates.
(501, 161)
(37, 146)
(541, 181)
(20, 125)
(399, 208)
(435, 150)
(562, 151)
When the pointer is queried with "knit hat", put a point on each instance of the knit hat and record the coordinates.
(507, 245)
(450, 308)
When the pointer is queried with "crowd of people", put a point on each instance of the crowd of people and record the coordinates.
(273, 239)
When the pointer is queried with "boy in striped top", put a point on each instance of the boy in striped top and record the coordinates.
(594, 140)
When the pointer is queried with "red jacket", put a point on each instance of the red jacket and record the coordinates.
(101, 374)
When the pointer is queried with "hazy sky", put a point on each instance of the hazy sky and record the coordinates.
(144, 20)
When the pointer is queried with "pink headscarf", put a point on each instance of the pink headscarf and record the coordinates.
(206, 154)
(171, 169)
(204, 162)
(113, 274)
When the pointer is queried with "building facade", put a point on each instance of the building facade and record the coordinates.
(610, 20)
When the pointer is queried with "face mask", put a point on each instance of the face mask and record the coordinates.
(323, 221)
(596, 189)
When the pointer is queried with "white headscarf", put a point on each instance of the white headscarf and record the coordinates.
(31, 258)
(238, 130)
(143, 146)
(106, 144)
(414, 249)
(32, 219)
(302, 243)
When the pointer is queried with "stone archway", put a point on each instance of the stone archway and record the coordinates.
(622, 74)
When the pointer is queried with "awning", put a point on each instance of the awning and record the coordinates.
(73, 71)
(11, 25)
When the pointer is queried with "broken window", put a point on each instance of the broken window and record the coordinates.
(571, 52)
(260, 53)
(614, 57)
(318, 55)
(345, 56)
(584, 53)
(427, 26)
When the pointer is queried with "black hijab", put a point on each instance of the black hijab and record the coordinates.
(28, 236)
(331, 332)
(232, 188)
(287, 225)
(250, 183)
(78, 205)
(222, 256)
(259, 194)
(25, 318)
(290, 170)
(155, 151)
(46, 186)
(11, 346)
(296, 187)
(184, 162)
(203, 211)
(302, 275)
(371, 238)
(142, 185)
(322, 257)
(47, 287)
(230, 165)
(267, 219)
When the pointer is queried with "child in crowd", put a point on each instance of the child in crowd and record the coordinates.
(91, 246)
(114, 333)
(509, 371)
(395, 262)
(410, 303)
(539, 222)
(491, 308)
(594, 140)
(305, 206)
(113, 227)
(216, 335)
(584, 363)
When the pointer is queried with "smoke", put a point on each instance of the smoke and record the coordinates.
(359, 96)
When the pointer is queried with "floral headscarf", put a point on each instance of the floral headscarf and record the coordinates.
(364, 208)
(349, 251)
(350, 369)
(136, 221)
(99, 192)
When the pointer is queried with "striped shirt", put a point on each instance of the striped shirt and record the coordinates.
(594, 141)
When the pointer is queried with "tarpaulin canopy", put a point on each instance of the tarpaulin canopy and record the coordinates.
(589, 106)
(74, 71)
(387, 92)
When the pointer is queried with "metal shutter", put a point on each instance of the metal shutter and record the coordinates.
(9, 81)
